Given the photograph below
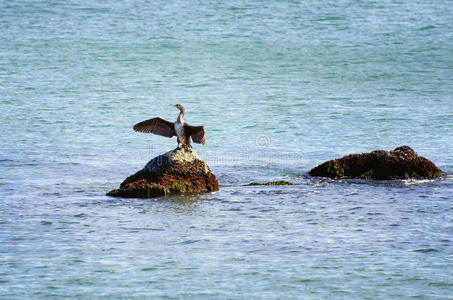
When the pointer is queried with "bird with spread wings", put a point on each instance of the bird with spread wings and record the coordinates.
(183, 131)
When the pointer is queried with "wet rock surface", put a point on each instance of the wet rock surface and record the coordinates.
(401, 163)
(176, 172)
(279, 182)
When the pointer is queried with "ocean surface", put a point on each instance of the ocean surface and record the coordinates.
(281, 86)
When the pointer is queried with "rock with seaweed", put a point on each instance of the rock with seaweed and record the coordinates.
(176, 172)
(401, 163)
(279, 182)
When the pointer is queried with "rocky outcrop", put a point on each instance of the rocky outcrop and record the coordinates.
(175, 172)
(401, 163)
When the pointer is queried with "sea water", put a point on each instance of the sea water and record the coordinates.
(280, 86)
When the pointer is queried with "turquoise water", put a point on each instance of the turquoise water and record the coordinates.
(280, 86)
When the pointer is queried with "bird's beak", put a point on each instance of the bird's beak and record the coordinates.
(172, 104)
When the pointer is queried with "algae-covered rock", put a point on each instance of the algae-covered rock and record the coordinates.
(279, 182)
(401, 163)
(175, 172)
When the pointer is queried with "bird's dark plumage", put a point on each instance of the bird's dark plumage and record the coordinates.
(197, 133)
(182, 130)
(157, 126)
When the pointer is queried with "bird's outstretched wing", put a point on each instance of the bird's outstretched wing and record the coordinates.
(157, 126)
(196, 132)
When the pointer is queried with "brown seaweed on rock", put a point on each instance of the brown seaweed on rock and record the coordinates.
(278, 182)
(401, 163)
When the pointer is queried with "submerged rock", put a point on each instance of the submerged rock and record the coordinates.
(401, 163)
(279, 182)
(175, 172)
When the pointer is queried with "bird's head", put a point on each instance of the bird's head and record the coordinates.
(178, 106)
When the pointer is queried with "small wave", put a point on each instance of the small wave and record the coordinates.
(397, 183)
(81, 215)
(428, 27)
(412, 181)
(449, 177)
(150, 269)
(426, 250)
(188, 242)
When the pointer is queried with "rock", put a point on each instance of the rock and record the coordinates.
(175, 172)
(279, 182)
(401, 163)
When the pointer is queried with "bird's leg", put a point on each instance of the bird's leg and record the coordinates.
(177, 138)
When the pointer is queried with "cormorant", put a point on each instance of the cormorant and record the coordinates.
(181, 129)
